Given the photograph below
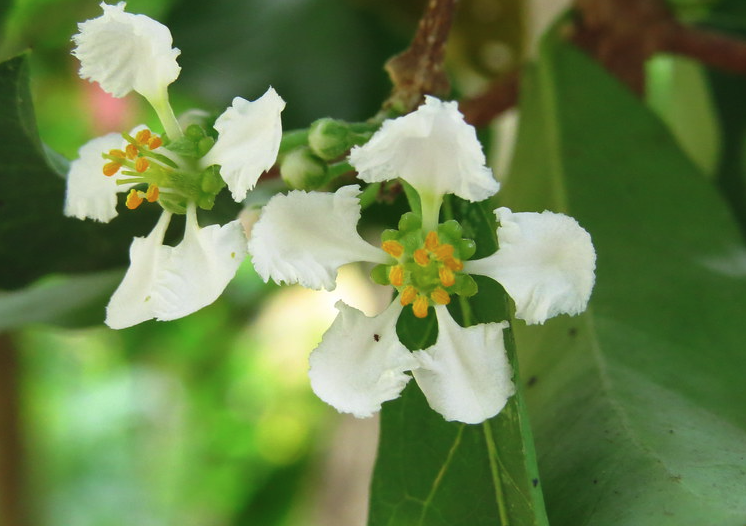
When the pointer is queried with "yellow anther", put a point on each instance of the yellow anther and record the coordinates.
(453, 264)
(131, 151)
(419, 307)
(143, 136)
(408, 295)
(396, 276)
(152, 194)
(422, 257)
(393, 247)
(111, 168)
(440, 296)
(154, 142)
(133, 199)
(141, 164)
(447, 277)
(443, 252)
(117, 153)
(431, 241)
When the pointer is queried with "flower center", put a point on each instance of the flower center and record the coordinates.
(428, 268)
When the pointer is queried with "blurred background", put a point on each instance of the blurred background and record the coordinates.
(208, 420)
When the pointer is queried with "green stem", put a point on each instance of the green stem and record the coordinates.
(166, 115)
(497, 481)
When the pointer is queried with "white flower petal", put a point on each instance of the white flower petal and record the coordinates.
(466, 375)
(124, 52)
(360, 363)
(89, 192)
(305, 237)
(433, 149)
(546, 262)
(249, 136)
(133, 302)
(197, 270)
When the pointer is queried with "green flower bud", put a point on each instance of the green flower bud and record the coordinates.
(330, 138)
(302, 170)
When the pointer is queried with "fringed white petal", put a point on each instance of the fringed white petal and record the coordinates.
(546, 262)
(249, 136)
(124, 52)
(305, 237)
(133, 302)
(466, 375)
(360, 363)
(198, 269)
(91, 194)
(433, 149)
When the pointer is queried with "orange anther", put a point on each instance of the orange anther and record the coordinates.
(152, 194)
(131, 151)
(421, 257)
(141, 164)
(133, 199)
(443, 252)
(431, 241)
(117, 153)
(396, 276)
(440, 296)
(393, 247)
(111, 168)
(143, 136)
(447, 277)
(408, 295)
(419, 307)
(154, 142)
(453, 264)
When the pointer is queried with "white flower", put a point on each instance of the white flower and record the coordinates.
(125, 52)
(249, 136)
(166, 282)
(432, 149)
(545, 262)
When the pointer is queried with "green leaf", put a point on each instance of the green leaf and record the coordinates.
(639, 403)
(68, 301)
(35, 237)
(430, 472)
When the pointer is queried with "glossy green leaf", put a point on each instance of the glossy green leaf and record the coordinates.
(430, 472)
(35, 237)
(639, 405)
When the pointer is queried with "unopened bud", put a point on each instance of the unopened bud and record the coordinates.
(330, 138)
(302, 170)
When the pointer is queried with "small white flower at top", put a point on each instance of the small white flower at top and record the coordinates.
(546, 263)
(181, 170)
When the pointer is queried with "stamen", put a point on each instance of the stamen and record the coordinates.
(133, 199)
(443, 252)
(419, 307)
(394, 248)
(154, 142)
(454, 264)
(422, 257)
(152, 194)
(117, 153)
(447, 277)
(408, 295)
(440, 296)
(141, 164)
(396, 276)
(143, 136)
(111, 168)
(131, 151)
(431, 241)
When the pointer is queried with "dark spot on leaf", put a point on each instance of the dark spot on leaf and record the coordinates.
(676, 478)
(531, 381)
(377, 337)
(595, 481)
(572, 332)
(535, 482)
(670, 431)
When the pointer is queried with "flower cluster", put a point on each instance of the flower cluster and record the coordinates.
(182, 170)
(545, 261)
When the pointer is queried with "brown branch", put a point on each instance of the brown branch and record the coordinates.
(714, 49)
(419, 69)
(500, 96)
(13, 511)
